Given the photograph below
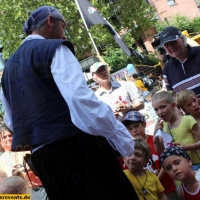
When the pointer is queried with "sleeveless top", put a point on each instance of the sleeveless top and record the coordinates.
(40, 115)
(189, 195)
(182, 134)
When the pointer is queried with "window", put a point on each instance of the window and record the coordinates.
(171, 2)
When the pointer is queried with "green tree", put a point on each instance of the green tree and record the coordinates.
(195, 25)
(128, 13)
(179, 21)
(192, 25)
(137, 15)
(116, 58)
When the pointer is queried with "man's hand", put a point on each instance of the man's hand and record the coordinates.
(17, 168)
(116, 113)
(122, 107)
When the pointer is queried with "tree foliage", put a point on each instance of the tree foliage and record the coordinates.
(192, 25)
(195, 25)
(126, 14)
(116, 58)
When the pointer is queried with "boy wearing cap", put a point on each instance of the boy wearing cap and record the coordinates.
(182, 71)
(135, 123)
(178, 165)
(121, 96)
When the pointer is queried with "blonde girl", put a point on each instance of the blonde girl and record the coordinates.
(183, 129)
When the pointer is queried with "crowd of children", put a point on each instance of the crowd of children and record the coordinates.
(135, 123)
(154, 170)
(184, 129)
(173, 171)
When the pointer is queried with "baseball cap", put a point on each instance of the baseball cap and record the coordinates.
(169, 34)
(134, 116)
(39, 16)
(96, 66)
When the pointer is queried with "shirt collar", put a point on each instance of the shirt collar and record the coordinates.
(114, 84)
(32, 37)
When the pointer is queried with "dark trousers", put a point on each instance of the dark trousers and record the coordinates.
(82, 167)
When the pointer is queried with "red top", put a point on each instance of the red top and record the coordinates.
(154, 165)
(189, 195)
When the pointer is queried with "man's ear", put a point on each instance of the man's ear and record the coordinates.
(49, 20)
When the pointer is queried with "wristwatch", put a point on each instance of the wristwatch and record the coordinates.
(130, 107)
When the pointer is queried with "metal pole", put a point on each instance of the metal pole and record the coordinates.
(95, 47)
(167, 21)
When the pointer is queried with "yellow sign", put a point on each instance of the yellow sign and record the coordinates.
(15, 196)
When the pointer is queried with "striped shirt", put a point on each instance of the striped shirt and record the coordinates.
(120, 91)
(184, 75)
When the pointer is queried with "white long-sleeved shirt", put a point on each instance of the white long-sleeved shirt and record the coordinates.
(87, 112)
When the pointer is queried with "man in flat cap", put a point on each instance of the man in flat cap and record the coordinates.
(50, 109)
(121, 96)
(182, 71)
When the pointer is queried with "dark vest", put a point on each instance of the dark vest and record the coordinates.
(40, 114)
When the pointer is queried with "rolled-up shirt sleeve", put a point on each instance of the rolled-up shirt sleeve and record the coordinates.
(88, 113)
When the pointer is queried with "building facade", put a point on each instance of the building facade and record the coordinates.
(167, 8)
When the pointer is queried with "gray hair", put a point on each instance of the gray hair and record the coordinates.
(184, 39)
